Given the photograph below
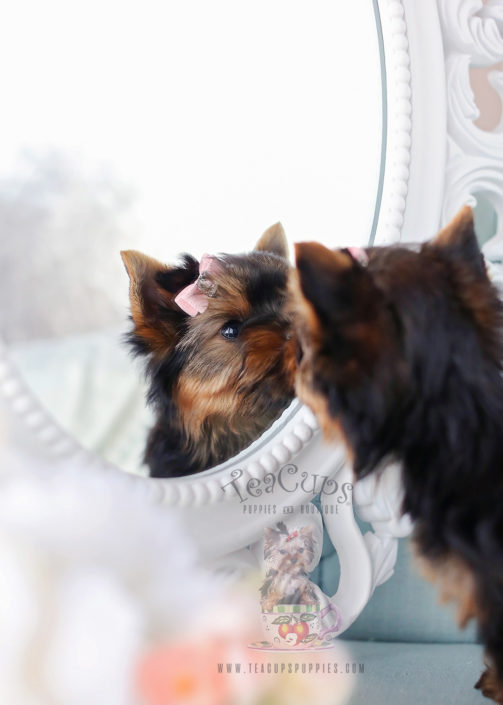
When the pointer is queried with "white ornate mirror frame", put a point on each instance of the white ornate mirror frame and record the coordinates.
(434, 160)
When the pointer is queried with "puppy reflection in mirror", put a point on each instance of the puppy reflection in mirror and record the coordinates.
(220, 357)
(288, 557)
(402, 356)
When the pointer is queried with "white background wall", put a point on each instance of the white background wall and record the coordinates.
(223, 116)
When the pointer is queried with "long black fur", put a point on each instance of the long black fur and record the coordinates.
(429, 395)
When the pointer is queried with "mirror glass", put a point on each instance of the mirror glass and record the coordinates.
(166, 128)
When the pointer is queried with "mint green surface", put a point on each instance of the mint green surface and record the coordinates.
(403, 609)
(416, 674)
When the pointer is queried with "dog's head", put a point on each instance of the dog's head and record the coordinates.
(287, 551)
(387, 343)
(228, 363)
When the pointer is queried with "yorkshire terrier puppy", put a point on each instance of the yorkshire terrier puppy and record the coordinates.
(402, 357)
(220, 355)
(287, 558)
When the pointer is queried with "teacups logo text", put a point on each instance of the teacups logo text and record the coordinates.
(289, 480)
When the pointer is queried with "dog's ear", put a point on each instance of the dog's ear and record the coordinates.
(340, 310)
(338, 288)
(274, 240)
(152, 290)
(271, 536)
(307, 532)
(458, 242)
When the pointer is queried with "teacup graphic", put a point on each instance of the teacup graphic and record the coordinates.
(299, 627)
(296, 614)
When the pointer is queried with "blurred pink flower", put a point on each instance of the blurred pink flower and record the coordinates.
(184, 674)
(188, 674)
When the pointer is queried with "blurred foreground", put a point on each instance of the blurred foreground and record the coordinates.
(102, 601)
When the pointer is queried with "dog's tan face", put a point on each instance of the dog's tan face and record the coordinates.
(240, 353)
(229, 370)
(290, 553)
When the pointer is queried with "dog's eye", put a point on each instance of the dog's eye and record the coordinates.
(299, 354)
(282, 551)
(301, 550)
(230, 330)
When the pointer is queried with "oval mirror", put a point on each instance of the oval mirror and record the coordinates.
(221, 122)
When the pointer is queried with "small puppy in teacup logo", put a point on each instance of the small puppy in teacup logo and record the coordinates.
(296, 614)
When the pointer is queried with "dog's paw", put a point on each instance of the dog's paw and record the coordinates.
(490, 685)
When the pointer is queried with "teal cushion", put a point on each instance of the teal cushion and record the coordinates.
(405, 608)
(416, 674)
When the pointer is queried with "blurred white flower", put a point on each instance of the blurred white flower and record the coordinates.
(92, 572)
(103, 602)
(62, 229)
(96, 664)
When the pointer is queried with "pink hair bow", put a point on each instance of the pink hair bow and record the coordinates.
(194, 298)
(359, 254)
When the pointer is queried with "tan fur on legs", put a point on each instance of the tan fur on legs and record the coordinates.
(490, 685)
(455, 582)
